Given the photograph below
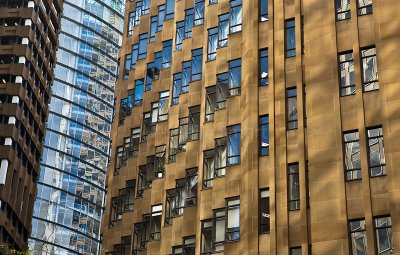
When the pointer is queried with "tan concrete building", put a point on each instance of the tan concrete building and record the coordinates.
(256, 127)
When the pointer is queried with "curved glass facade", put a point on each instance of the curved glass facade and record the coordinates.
(71, 187)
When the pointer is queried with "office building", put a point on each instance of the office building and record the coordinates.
(28, 43)
(71, 188)
(256, 127)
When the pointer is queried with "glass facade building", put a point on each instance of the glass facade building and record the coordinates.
(71, 187)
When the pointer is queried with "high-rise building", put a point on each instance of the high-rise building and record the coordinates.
(28, 43)
(71, 187)
(256, 127)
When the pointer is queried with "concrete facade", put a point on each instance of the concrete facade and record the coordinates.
(321, 224)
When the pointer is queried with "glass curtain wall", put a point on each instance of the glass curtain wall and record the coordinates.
(71, 187)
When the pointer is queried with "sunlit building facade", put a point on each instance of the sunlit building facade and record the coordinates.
(71, 187)
(256, 127)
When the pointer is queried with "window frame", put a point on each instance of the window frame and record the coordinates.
(290, 51)
(364, 58)
(263, 121)
(264, 227)
(293, 194)
(292, 124)
(377, 228)
(353, 170)
(382, 166)
(355, 231)
(230, 233)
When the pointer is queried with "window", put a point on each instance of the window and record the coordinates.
(235, 77)
(346, 68)
(291, 94)
(189, 16)
(131, 23)
(118, 158)
(212, 43)
(153, 28)
(142, 46)
(264, 67)
(173, 144)
(263, 10)
(154, 169)
(264, 135)
(125, 108)
(188, 247)
(116, 210)
(208, 168)
(186, 74)
(183, 134)
(293, 187)
(140, 237)
(128, 195)
(235, 19)
(198, 12)
(157, 62)
(161, 17)
(127, 67)
(220, 156)
(176, 88)
(148, 125)
(152, 73)
(383, 232)
(155, 222)
(184, 195)
(124, 248)
(211, 103)
(290, 37)
(145, 7)
(364, 7)
(223, 30)
(377, 164)
(222, 90)
(295, 251)
(170, 9)
(213, 2)
(139, 90)
(219, 230)
(370, 69)
(358, 237)
(264, 212)
(233, 145)
(194, 123)
(167, 54)
(206, 245)
(163, 106)
(134, 58)
(138, 12)
(342, 9)
(352, 156)
(233, 219)
(135, 137)
(197, 61)
(180, 34)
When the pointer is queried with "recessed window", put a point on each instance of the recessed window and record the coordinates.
(264, 67)
(176, 88)
(295, 251)
(232, 232)
(235, 77)
(342, 9)
(163, 106)
(212, 43)
(153, 28)
(211, 103)
(160, 17)
(166, 54)
(290, 38)
(291, 108)
(264, 212)
(198, 12)
(377, 162)
(351, 155)
(180, 34)
(369, 68)
(293, 187)
(264, 135)
(189, 17)
(346, 69)
(142, 46)
(208, 168)
(170, 8)
(197, 64)
(358, 237)
(263, 10)
(383, 235)
(235, 19)
(223, 30)
(233, 145)
(139, 90)
(364, 7)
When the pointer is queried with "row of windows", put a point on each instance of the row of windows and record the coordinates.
(343, 8)
(369, 71)
(352, 155)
